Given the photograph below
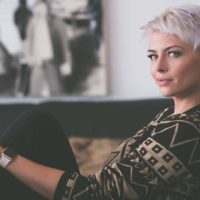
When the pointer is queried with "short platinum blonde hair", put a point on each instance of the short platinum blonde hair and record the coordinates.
(182, 21)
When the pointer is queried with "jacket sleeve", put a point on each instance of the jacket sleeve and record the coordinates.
(112, 182)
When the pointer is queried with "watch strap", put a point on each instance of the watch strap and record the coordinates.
(7, 156)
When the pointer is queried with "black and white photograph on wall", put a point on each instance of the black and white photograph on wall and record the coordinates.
(52, 48)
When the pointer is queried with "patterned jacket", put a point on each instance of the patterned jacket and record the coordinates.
(160, 162)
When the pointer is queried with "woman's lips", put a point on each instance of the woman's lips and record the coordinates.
(163, 82)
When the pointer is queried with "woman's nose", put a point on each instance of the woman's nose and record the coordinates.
(161, 65)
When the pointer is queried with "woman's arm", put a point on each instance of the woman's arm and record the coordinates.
(40, 178)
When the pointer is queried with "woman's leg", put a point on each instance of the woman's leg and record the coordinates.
(38, 136)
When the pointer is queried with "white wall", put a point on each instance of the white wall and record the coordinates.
(128, 75)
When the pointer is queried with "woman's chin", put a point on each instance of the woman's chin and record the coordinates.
(166, 93)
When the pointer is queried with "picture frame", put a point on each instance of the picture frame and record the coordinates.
(52, 48)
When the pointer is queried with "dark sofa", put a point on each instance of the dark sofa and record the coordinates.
(90, 117)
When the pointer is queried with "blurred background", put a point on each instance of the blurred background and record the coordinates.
(64, 48)
(51, 48)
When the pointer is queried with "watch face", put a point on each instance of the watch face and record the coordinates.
(9, 152)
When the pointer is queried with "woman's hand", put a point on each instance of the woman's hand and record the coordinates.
(40, 178)
(1, 151)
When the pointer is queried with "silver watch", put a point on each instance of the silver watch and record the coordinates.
(7, 156)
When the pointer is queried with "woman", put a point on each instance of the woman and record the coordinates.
(162, 160)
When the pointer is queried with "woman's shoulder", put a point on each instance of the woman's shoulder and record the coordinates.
(191, 119)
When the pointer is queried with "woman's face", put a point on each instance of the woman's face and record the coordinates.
(175, 66)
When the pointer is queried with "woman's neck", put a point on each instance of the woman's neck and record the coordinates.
(181, 106)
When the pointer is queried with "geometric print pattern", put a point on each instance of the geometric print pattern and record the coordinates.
(160, 162)
(69, 185)
(164, 163)
(179, 135)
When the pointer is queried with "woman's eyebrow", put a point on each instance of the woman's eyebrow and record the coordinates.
(165, 49)
(151, 50)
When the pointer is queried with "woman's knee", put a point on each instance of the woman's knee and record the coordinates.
(33, 126)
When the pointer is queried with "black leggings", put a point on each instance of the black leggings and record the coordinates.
(38, 136)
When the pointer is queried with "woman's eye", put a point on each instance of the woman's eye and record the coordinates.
(174, 54)
(152, 56)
